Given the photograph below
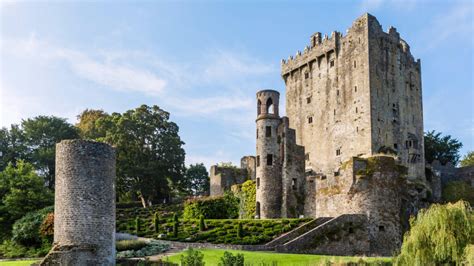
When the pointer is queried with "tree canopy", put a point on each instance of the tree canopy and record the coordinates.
(197, 180)
(468, 159)
(150, 154)
(87, 125)
(442, 148)
(438, 236)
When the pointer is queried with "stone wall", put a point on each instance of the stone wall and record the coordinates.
(223, 178)
(371, 186)
(84, 208)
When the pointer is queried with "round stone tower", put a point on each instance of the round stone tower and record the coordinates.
(268, 172)
(84, 210)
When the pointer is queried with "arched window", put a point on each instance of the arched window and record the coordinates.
(259, 107)
(270, 106)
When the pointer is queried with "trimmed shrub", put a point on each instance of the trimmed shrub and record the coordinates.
(151, 248)
(26, 231)
(438, 236)
(192, 258)
(123, 245)
(225, 207)
(156, 222)
(137, 225)
(230, 260)
(240, 230)
(202, 224)
(175, 225)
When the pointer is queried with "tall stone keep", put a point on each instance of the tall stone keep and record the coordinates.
(268, 172)
(84, 210)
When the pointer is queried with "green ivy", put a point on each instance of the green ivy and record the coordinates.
(225, 207)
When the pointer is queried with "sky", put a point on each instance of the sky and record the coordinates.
(203, 61)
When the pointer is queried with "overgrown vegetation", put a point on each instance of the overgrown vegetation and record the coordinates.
(246, 193)
(458, 190)
(438, 236)
(225, 207)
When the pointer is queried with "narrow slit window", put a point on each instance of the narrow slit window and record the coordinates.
(258, 160)
(293, 184)
(310, 119)
(268, 131)
(258, 182)
(269, 159)
(308, 100)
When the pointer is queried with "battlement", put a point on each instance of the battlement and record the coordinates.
(320, 46)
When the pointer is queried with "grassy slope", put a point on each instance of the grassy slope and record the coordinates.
(212, 257)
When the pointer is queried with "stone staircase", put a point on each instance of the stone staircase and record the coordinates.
(289, 236)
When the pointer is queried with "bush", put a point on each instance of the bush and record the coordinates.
(156, 222)
(230, 260)
(202, 224)
(240, 231)
(137, 225)
(152, 248)
(438, 236)
(192, 258)
(225, 207)
(26, 231)
(458, 190)
(129, 245)
(10, 249)
(47, 227)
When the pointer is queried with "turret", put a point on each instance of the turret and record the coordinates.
(268, 171)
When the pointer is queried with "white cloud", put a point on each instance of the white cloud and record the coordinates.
(212, 159)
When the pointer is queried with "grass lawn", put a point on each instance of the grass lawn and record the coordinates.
(17, 262)
(212, 257)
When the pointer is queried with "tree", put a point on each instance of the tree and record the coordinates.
(438, 236)
(196, 180)
(458, 190)
(41, 135)
(87, 124)
(12, 146)
(442, 148)
(468, 159)
(150, 156)
(21, 191)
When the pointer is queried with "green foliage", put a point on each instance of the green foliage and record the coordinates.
(202, 223)
(129, 245)
(26, 231)
(225, 207)
(12, 146)
(240, 230)
(438, 236)
(192, 257)
(442, 148)
(249, 191)
(87, 125)
(47, 227)
(175, 225)
(468, 159)
(150, 154)
(151, 248)
(137, 225)
(11, 249)
(196, 180)
(156, 222)
(21, 191)
(232, 260)
(458, 190)
(41, 135)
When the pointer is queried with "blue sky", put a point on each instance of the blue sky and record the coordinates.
(203, 61)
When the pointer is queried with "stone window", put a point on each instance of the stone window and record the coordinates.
(395, 146)
(331, 63)
(293, 183)
(306, 75)
(258, 182)
(310, 119)
(269, 159)
(357, 110)
(355, 64)
(334, 111)
(257, 133)
(258, 160)
(270, 106)
(338, 152)
(337, 92)
(257, 210)
(259, 107)
(357, 129)
(355, 88)
(268, 131)
(381, 228)
(308, 100)
(306, 156)
(336, 173)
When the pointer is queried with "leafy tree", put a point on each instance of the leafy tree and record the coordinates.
(442, 148)
(26, 230)
(12, 146)
(150, 156)
(438, 236)
(41, 135)
(87, 125)
(468, 159)
(21, 191)
(232, 260)
(196, 180)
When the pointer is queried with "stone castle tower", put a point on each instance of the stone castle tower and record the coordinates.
(356, 95)
(280, 164)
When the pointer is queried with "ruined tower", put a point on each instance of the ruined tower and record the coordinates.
(357, 94)
(84, 205)
(280, 162)
(268, 172)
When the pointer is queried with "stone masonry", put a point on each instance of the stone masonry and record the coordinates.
(84, 211)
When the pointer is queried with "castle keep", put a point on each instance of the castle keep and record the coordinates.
(350, 147)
